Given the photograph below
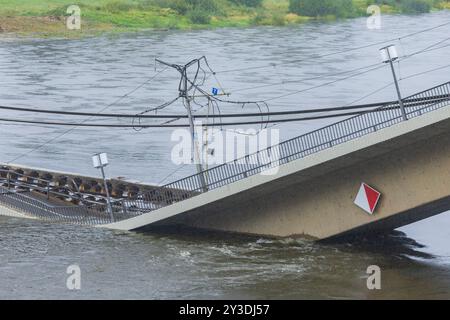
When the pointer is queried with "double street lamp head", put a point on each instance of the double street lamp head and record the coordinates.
(389, 53)
(100, 160)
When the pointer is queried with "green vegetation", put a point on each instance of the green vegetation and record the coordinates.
(411, 6)
(321, 8)
(357, 8)
(47, 17)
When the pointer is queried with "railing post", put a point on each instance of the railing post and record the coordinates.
(124, 208)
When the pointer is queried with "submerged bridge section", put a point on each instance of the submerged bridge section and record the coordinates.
(306, 186)
(73, 198)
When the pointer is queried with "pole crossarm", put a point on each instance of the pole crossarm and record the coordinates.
(184, 87)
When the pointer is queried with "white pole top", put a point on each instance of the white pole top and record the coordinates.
(100, 160)
(389, 51)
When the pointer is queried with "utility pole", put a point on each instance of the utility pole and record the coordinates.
(184, 94)
(389, 54)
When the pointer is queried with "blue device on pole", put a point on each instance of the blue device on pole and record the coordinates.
(215, 91)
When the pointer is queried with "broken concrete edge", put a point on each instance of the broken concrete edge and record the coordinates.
(311, 161)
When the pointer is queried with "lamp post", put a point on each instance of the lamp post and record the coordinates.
(389, 55)
(100, 161)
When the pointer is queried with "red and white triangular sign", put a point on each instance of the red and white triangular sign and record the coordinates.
(367, 198)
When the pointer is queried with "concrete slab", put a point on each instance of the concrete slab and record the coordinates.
(269, 205)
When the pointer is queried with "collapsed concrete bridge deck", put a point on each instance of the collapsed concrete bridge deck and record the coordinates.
(315, 178)
(408, 162)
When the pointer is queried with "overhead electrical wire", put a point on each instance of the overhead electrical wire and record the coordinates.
(291, 93)
(338, 52)
(38, 147)
(98, 125)
(207, 125)
(220, 124)
(323, 84)
(231, 115)
(201, 116)
(305, 79)
(349, 104)
(339, 115)
(425, 72)
(243, 103)
(211, 99)
(378, 66)
(169, 116)
(427, 49)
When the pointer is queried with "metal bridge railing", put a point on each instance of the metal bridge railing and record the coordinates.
(34, 207)
(346, 130)
(22, 192)
(37, 197)
(16, 180)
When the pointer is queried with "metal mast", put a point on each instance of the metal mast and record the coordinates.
(184, 94)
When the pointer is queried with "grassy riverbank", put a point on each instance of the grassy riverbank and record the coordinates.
(48, 18)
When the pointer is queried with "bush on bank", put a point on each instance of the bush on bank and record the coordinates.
(320, 8)
(117, 15)
(350, 8)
